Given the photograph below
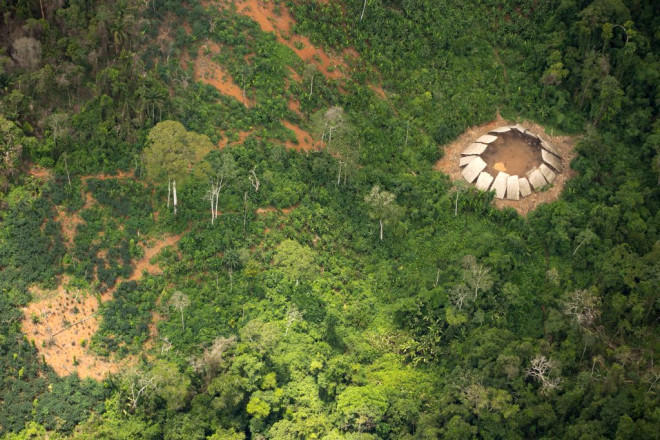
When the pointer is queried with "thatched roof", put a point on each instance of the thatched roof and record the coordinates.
(523, 184)
(537, 180)
(500, 130)
(465, 160)
(487, 139)
(551, 160)
(473, 169)
(547, 173)
(512, 188)
(484, 181)
(474, 148)
(499, 185)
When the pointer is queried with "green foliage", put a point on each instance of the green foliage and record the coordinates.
(172, 151)
(30, 241)
(296, 260)
(128, 200)
(468, 321)
(126, 318)
(68, 403)
(171, 385)
(12, 144)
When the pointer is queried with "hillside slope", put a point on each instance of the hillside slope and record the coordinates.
(239, 220)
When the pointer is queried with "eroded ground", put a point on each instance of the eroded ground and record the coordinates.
(275, 19)
(62, 321)
(211, 73)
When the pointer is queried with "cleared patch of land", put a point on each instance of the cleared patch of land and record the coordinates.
(512, 153)
(448, 164)
(62, 321)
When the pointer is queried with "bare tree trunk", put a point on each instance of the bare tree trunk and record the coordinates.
(183, 325)
(244, 210)
(311, 86)
(214, 206)
(407, 132)
(381, 229)
(364, 6)
(339, 173)
(41, 4)
(217, 197)
(579, 246)
(456, 205)
(169, 191)
(211, 198)
(68, 177)
(174, 194)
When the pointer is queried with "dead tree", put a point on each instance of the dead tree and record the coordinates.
(540, 370)
(476, 276)
(140, 384)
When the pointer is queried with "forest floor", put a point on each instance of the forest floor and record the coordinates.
(62, 321)
(565, 145)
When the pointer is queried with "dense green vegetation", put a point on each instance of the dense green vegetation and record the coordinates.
(370, 309)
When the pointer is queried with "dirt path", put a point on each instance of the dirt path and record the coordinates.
(69, 221)
(119, 175)
(40, 173)
(564, 144)
(281, 24)
(213, 74)
(267, 209)
(72, 317)
(242, 135)
(305, 139)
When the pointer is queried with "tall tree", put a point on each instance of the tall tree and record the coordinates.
(11, 148)
(171, 154)
(220, 167)
(382, 207)
(334, 128)
(59, 125)
(180, 302)
(296, 259)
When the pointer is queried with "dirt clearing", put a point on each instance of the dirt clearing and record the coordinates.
(305, 139)
(242, 135)
(62, 321)
(563, 144)
(513, 153)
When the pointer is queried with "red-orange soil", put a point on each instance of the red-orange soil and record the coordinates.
(59, 320)
(281, 23)
(305, 140)
(242, 135)
(266, 210)
(211, 73)
(294, 106)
